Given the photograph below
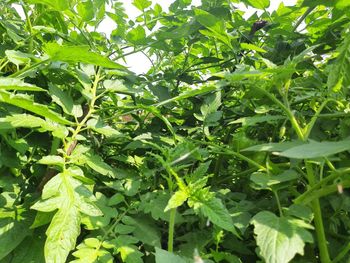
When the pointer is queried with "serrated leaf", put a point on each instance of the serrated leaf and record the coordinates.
(142, 4)
(17, 84)
(75, 54)
(217, 213)
(62, 234)
(26, 103)
(278, 239)
(340, 69)
(177, 199)
(137, 35)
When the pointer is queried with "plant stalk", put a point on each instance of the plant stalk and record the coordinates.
(321, 237)
(171, 229)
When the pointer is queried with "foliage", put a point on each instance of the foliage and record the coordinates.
(233, 147)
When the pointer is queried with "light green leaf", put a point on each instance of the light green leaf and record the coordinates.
(249, 46)
(341, 67)
(88, 208)
(26, 103)
(279, 240)
(48, 205)
(176, 200)
(17, 84)
(75, 54)
(98, 126)
(86, 10)
(62, 234)
(316, 149)
(17, 57)
(142, 4)
(260, 4)
(59, 5)
(137, 35)
(52, 187)
(163, 256)
(52, 160)
(130, 254)
(96, 163)
(249, 121)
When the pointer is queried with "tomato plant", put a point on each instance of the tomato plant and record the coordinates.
(232, 147)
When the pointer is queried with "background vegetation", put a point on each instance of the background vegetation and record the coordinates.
(234, 147)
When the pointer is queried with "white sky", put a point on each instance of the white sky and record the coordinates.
(138, 62)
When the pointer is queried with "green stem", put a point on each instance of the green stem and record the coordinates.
(301, 19)
(289, 113)
(278, 203)
(301, 199)
(171, 229)
(321, 237)
(342, 253)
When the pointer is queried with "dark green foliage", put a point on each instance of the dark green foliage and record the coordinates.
(233, 146)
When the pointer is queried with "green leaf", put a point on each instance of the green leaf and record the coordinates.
(98, 126)
(52, 160)
(250, 121)
(30, 121)
(59, 5)
(216, 212)
(142, 4)
(339, 70)
(163, 256)
(260, 4)
(62, 234)
(274, 147)
(178, 198)
(48, 205)
(279, 240)
(17, 84)
(17, 57)
(130, 254)
(267, 181)
(26, 103)
(12, 232)
(65, 101)
(75, 54)
(137, 35)
(249, 47)
(96, 163)
(145, 230)
(316, 149)
(86, 10)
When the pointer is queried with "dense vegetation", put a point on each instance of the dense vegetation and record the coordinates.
(234, 147)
